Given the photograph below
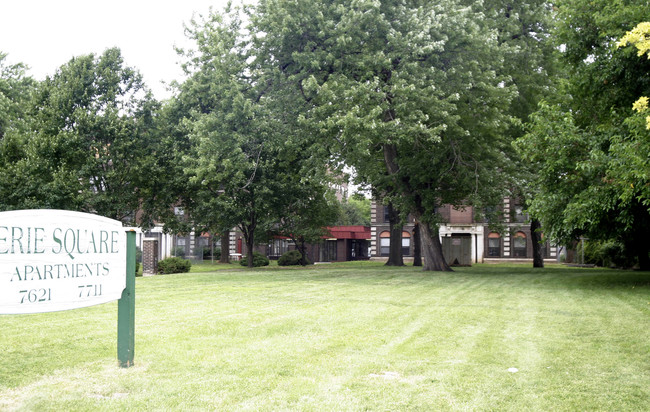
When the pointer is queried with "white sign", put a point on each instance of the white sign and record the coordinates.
(54, 260)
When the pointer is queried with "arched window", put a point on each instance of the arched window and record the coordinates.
(519, 244)
(384, 243)
(406, 243)
(494, 245)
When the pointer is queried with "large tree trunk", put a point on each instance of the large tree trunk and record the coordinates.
(432, 249)
(417, 249)
(395, 253)
(249, 236)
(225, 247)
(430, 242)
(250, 246)
(536, 237)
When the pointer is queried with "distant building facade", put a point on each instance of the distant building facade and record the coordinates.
(464, 239)
(340, 244)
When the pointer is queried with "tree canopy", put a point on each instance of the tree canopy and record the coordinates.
(590, 147)
(416, 96)
(88, 139)
(422, 99)
(250, 165)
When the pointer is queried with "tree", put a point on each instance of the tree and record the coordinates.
(417, 248)
(640, 38)
(530, 61)
(586, 141)
(16, 90)
(396, 228)
(170, 188)
(410, 94)
(309, 208)
(250, 166)
(354, 210)
(88, 143)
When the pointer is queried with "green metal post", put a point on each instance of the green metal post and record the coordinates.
(126, 308)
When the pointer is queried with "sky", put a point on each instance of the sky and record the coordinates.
(45, 34)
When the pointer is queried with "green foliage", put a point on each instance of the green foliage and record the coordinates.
(16, 89)
(292, 258)
(174, 265)
(206, 252)
(416, 96)
(606, 254)
(249, 164)
(588, 147)
(89, 141)
(16, 92)
(258, 260)
(354, 211)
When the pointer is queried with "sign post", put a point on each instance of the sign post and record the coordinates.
(126, 308)
(52, 260)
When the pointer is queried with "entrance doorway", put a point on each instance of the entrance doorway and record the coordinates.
(457, 249)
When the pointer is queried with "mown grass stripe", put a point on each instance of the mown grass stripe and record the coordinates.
(346, 337)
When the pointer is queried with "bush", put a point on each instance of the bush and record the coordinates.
(258, 260)
(138, 269)
(174, 265)
(291, 258)
(206, 252)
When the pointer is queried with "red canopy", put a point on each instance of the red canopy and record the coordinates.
(349, 232)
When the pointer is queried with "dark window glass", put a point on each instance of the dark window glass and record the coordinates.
(494, 247)
(406, 246)
(519, 243)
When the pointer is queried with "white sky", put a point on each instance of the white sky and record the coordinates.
(45, 34)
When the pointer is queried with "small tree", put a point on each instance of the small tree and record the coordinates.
(354, 210)
(309, 207)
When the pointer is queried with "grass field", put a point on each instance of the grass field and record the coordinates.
(345, 337)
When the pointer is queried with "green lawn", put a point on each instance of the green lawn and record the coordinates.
(345, 337)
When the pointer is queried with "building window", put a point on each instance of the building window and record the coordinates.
(519, 243)
(328, 251)
(519, 215)
(384, 243)
(406, 243)
(494, 245)
(279, 247)
(386, 214)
